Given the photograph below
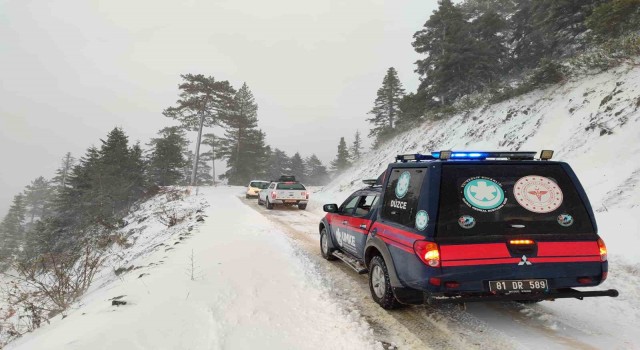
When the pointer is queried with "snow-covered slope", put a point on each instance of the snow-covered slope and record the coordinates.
(593, 123)
(232, 282)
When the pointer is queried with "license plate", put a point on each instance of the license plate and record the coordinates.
(290, 201)
(518, 286)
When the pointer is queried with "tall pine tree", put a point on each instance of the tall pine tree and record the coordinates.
(12, 231)
(317, 173)
(342, 158)
(298, 167)
(356, 147)
(37, 198)
(243, 144)
(166, 160)
(386, 106)
(202, 101)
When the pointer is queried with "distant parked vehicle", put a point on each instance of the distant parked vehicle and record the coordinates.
(255, 186)
(287, 193)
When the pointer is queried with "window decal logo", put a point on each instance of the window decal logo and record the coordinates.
(403, 184)
(483, 194)
(537, 194)
(466, 221)
(565, 220)
(422, 220)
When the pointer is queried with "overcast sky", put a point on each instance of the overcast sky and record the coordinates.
(72, 70)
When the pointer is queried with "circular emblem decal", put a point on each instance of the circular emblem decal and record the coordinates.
(537, 194)
(466, 221)
(565, 220)
(403, 184)
(483, 194)
(422, 220)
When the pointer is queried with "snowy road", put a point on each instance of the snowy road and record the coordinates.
(594, 323)
(249, 277)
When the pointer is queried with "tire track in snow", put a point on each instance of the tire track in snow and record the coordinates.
(415, 327)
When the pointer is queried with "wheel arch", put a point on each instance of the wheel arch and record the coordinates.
(376, 246)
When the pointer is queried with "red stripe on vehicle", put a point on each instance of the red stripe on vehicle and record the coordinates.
(568, 248)
(481, 262)
(474, 251)
(390, 229)
(396, 244)
(565, 259)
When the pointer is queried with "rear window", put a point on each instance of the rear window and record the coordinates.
(291, 186)
(259, 184)
(509, 199)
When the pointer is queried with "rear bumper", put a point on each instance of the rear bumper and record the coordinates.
(297, 201)
(552, 295)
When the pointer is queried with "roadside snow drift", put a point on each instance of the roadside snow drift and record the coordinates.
(234, 283)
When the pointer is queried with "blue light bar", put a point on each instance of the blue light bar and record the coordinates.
(484, 155)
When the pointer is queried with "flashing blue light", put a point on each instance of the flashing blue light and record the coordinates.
(463, 155)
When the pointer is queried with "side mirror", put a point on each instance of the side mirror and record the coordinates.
(330, 208)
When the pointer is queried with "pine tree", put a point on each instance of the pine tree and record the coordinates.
(12, 230)
(457, 62)
(316, 172)
(298, 167)
(136, 173)
(356, 147)
(114, 185)
(279, 164)
(386, 106)
(62, 174)
(241, 137)
(342, 158)
(46, 236)
(167, 161)
(202, 100)
(37, 198)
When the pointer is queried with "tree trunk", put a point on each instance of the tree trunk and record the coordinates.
(213, 158)
(197, 155)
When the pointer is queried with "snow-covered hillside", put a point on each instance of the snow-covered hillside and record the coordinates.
(593, 123)
(233, 281)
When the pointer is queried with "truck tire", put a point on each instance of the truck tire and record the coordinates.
(380, 284)
(269, 204)
(302, 206)
(324, 246)
(259, 201)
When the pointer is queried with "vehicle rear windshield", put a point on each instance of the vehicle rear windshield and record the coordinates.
(259, 184)
(290, 186)
(509, 199)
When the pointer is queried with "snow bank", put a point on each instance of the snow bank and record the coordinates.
(250, 289)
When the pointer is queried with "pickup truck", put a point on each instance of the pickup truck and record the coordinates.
(456, 227)
(288, 193)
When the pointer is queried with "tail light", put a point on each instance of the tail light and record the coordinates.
(427, 252)
(273, 195)
(603, 250)
(305, 195)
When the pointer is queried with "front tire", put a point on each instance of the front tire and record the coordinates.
(380, 284)
(324, 246)
(269, 204)
(259, 201)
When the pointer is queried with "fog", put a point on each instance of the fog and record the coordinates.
(73, 70)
